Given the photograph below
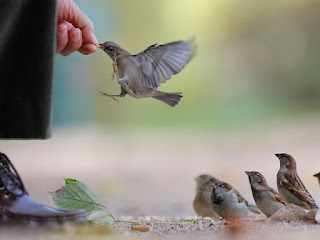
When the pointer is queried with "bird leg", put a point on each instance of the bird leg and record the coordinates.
(122, 94)
(115, 70)
(110, 95)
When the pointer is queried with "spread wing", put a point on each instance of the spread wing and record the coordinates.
(277, 196)
(294, 184)
(160, 62)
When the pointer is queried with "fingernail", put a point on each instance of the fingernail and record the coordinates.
(94, 39)
(76, 36)
(62, 30)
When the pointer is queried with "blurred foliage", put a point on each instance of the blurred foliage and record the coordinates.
(256, 60)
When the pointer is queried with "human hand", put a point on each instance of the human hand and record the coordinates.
(75, 31)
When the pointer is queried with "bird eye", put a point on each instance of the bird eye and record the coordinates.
(109, 48)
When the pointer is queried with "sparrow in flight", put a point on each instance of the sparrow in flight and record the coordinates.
(140, 75)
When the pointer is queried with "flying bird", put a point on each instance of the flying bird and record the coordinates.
(141, 75)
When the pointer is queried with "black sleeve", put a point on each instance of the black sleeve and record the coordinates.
(27, 45)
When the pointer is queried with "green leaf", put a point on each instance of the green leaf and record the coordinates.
(76, 195)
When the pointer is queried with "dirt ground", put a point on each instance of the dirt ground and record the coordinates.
(201, 229)
(139, 175)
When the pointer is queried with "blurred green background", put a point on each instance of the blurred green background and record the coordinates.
(256, 61)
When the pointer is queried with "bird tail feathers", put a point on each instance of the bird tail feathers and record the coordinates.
(171, 99)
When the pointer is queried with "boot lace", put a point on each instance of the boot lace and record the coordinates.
(10, 180)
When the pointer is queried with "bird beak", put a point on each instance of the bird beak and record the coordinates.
(100, 46)
(317, 175)
(198, 179)
(248, 173)
(278, 155)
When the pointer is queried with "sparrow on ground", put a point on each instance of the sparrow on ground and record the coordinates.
(317, 175)
(202, 203)
(266, 198)
(140, 75)
(290, 185)
(227, 201)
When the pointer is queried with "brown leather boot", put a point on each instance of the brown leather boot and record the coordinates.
(17, 207)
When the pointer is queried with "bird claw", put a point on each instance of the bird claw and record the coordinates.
(110, 95)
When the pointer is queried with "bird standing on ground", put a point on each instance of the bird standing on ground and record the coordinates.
(140, 75)
(227, 201)
(202, 203)
(290, 185)
(266, 198)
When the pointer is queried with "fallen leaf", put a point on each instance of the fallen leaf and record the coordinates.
(76, 195)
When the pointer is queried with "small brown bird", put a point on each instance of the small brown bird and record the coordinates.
(202, 203)
(290, 185)
(227, 201)
(266, 198)
(317, 175)
(140, 75)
